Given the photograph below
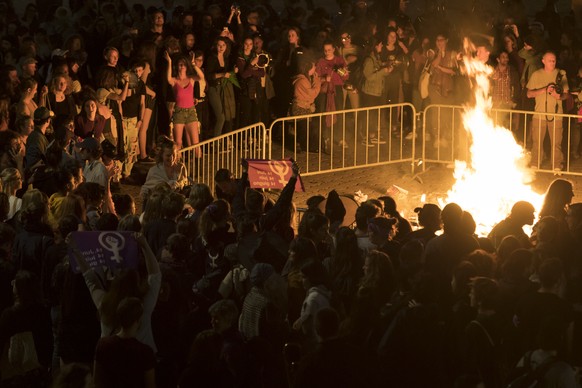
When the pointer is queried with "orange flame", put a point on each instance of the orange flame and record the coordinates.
(496, 176)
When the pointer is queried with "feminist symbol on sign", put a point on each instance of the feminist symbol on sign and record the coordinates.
(112, 242)
(281, 169)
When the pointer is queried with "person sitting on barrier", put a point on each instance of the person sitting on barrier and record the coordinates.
(549, 86)
(168, 168)
(306, 87)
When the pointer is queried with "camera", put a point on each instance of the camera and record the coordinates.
(558, 88)
(558, 84)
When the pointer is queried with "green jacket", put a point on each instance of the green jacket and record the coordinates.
(374, 77)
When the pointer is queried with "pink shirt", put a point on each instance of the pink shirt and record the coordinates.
(184, 96)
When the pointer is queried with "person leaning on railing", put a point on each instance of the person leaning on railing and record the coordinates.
(168, 169)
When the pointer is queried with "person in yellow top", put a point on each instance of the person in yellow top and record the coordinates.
(66, 184)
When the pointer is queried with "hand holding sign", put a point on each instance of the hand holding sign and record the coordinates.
(96, 249)
(273, 174)
(281, 169)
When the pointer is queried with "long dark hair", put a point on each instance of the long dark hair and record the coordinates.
(228, 46)
(184, 59)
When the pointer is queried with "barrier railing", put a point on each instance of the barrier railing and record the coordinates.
(365, 137)
(346, 139)
(226, 151)
(444, 138)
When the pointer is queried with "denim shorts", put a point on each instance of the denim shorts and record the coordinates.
(185, 115)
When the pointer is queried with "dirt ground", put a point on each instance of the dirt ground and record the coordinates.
(434, 182)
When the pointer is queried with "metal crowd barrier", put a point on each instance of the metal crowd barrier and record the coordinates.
(226, 151)
(445, 140)
(350, 145)
(346, 139)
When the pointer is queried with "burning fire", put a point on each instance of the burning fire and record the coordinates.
(496, 176)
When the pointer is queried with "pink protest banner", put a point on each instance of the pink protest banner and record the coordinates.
(111, 249)
(271, 174)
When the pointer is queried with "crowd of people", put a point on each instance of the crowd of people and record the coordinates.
(226, 290)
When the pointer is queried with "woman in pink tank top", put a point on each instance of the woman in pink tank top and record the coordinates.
(184, 117)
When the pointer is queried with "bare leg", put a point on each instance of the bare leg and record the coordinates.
(143, 133)
(192, 130)
(178, 132)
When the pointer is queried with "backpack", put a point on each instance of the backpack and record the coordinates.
(528, 377)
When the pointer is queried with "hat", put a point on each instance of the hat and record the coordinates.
(102, 94)
(28, 61)
(260, 273)
(89, 143)
(42, 113)
(109, 149)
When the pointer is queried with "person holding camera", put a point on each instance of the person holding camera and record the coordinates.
(549, 86)
(251, 95)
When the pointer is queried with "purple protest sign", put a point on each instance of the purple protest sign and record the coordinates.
(272, 174)
(110, 249)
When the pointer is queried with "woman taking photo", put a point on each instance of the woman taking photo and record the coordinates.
(184, 116)
(250, 75)
(219, 71)
(306, 86)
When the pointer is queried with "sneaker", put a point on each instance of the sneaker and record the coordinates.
(427, 137)
(557, 171)
(376, 140)
(411, 136)
(343, 143)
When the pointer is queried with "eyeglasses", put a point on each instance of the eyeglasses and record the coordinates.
(344, 38)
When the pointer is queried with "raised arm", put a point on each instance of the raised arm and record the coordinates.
(81, 262)
(169, 77)
(150, 259)
(199, 72)
(270, 219)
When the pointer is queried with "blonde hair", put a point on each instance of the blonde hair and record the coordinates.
(10, 177)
